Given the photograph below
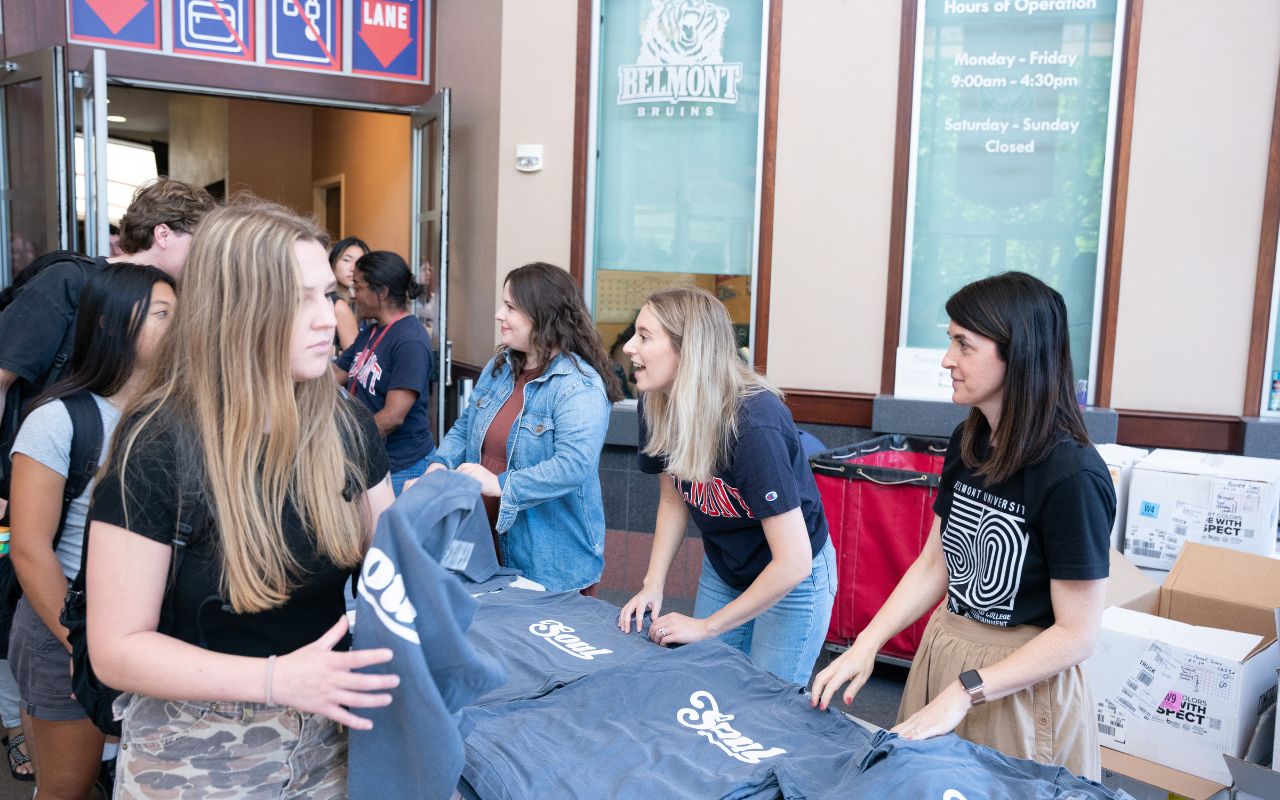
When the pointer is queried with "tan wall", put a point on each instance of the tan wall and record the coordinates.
(469, 61)
(537, 107)
(269, 151)
(372, 153)
(833, 185)
(197, 138)
(1202, 123)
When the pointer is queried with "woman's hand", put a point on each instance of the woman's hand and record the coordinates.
(489, 486)
(674, 628)
(647, 599)
(853, 667)
(939, 717)
(315, 678)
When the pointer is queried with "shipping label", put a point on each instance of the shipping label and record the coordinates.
(1179, 691)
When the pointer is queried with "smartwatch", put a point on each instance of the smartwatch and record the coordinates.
(972, 683)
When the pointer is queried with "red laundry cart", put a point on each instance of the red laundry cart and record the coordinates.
(878, 496)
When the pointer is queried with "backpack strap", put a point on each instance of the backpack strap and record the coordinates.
(86, 451)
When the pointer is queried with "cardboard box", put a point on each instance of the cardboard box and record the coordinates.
(1120, 460)
(1253, 782)
(1147, 781)
(1181, 678)
(1177, 496)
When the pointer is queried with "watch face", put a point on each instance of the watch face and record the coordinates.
(970, 679)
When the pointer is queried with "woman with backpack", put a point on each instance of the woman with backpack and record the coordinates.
(232, 669)
(124, 311)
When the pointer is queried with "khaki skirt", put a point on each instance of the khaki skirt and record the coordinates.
(1051, 722)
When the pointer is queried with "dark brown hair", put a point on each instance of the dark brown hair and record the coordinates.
(162, 201)
(1027, 319)
(548, 296)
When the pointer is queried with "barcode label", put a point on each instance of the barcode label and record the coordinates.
(1180, 530)
(1147, 678)
(1109, 730)
(1148, 552)
(1215, 724)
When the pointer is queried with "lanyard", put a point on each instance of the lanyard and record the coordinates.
(364, 356)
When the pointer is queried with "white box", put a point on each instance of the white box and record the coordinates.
(1120, 460)
(1177, 496)
(1181, 681)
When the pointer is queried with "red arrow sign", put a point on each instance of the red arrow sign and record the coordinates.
(384, 27)
(116, 13)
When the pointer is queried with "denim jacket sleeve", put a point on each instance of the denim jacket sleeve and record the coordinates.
(581, 419)
(452, 449)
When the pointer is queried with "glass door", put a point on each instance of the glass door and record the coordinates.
(90, 107)
(430, 237)
(35, 202)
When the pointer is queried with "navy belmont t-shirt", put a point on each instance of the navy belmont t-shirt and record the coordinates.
(767, 475)
(1003, 543)
(402, 360)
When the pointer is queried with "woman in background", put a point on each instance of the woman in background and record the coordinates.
(534, 428)
(342, 259)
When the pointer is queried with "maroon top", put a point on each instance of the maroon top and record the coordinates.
(493, 451)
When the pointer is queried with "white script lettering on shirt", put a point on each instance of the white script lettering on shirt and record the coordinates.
(952, 794)
(560, 636)
(382, 588)
(704, 717)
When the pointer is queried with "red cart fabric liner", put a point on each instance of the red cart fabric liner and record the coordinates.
(878, 497)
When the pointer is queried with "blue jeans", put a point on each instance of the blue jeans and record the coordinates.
(787, 639)
(415, 470)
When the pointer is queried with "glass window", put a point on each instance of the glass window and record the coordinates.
(1013, 113)
(675, 190)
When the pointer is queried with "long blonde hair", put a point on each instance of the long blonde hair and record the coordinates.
(695, 424)
(222, 381)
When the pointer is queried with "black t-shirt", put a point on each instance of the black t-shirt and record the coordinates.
(40, 317)
(767, 475)
(401, 360)
(1003, 543)
(201, 615)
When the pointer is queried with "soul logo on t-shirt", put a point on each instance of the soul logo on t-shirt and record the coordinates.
(985, 547)
(704, 716)
(560, 636)
(715, 498)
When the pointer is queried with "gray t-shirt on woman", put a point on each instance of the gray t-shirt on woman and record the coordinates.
(45, 437)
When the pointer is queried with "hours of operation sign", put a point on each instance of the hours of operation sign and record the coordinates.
(1013, 125)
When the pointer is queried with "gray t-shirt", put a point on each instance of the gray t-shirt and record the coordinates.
(45, 437)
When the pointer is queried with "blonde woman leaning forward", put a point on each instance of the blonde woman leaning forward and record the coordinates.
(732, 459)
(240, 687)
(1019, 550)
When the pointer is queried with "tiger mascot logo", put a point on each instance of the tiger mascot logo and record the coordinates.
(683, 32)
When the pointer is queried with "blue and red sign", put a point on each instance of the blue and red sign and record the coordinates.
(305, 33)
(388, 38)
(131, 23)
(214, 28)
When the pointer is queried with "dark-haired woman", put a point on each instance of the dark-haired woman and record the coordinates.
(533, 431)
(342, 260)
(1019, 550)
(389, 365)
(124, 310)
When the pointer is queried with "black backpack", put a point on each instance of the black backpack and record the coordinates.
(94, 696)
(86, 445)
(19, 394)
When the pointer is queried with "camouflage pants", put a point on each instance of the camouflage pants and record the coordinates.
(175, 751)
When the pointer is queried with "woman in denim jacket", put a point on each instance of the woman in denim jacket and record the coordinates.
(533, 431)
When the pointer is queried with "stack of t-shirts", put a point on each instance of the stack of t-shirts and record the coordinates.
(698, 721)
(545, 641)
(946, 768)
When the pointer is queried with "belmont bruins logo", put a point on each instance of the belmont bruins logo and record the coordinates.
(681, 57)
(704, 717)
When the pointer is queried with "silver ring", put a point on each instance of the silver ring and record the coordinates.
(662, 632)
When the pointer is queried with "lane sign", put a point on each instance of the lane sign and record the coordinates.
(216, 28)
(305, 33)
(131, 23)
(388, 38)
